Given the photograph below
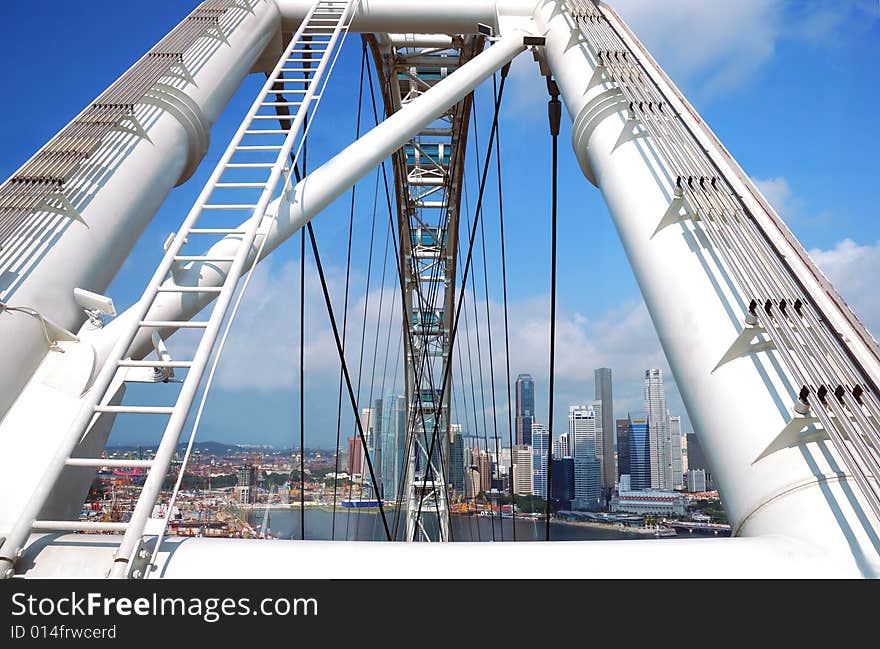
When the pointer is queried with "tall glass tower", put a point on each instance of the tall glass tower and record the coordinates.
(390, 435)
(540, 441)
(605, 445)
(585, 429)
(639, 455)
(525, 408)
(658, 430)
(456, 459)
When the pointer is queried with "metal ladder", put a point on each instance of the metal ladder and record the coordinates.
(314, 42)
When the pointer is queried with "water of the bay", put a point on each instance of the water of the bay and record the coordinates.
(359, 525)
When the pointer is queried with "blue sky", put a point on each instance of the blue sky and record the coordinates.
(790, 88)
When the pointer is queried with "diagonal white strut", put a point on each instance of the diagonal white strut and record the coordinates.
(280, 219)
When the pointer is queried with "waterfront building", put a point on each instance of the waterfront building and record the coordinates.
(622, 429)
(605, 444)
(522, 470)
(456, 459)
(649, 501)
(356, 459)
(584, 429)
(675, 452)
(697, 459)
(639, 454)
(696, 480)
(389, 423)
(484, 465)
(562, 483)
(525, 408)
(472, 482)
(684, 454)
(658, 429)
(540, 442)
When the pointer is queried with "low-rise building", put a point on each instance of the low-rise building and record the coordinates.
(649, 501)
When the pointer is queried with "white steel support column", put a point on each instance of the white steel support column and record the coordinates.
(116, 193)
(737, 409)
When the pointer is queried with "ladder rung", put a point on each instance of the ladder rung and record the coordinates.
(299, 70)
(110, 462)
(259, 148)
(215, 231)
(79, 526)
(282, 103)
(239, 185)
(228, 206)
(136, 410)
(202, 258)
(287, 80)
(130, 363)
(277, 131)
(250, 165)
(179, 324)
(190, 289)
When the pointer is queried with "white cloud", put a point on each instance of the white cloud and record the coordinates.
(714, 47)
(262, 351)
(853, 270)
(832, 25)
(778, 194)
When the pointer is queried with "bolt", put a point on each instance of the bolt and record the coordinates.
(137, 574)
(143, 554)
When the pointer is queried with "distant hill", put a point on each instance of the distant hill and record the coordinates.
(215, 448)
(203, 448)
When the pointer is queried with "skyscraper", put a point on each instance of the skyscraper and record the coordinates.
(456, 459)
(525, 408)
(697, 459)
(605, 446)
(675, 452)
(389, 431)
(485, 467)
(639, 454)
(355, 455)
(622, 428)
(584, 429)
(540, 441)
(562, 492)
(658, 430)
(522, 470)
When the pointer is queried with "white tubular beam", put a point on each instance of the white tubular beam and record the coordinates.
(319, 189)
(738, 409)
(85, 556)
(116, 193)
(420, 40)
(418, 16)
